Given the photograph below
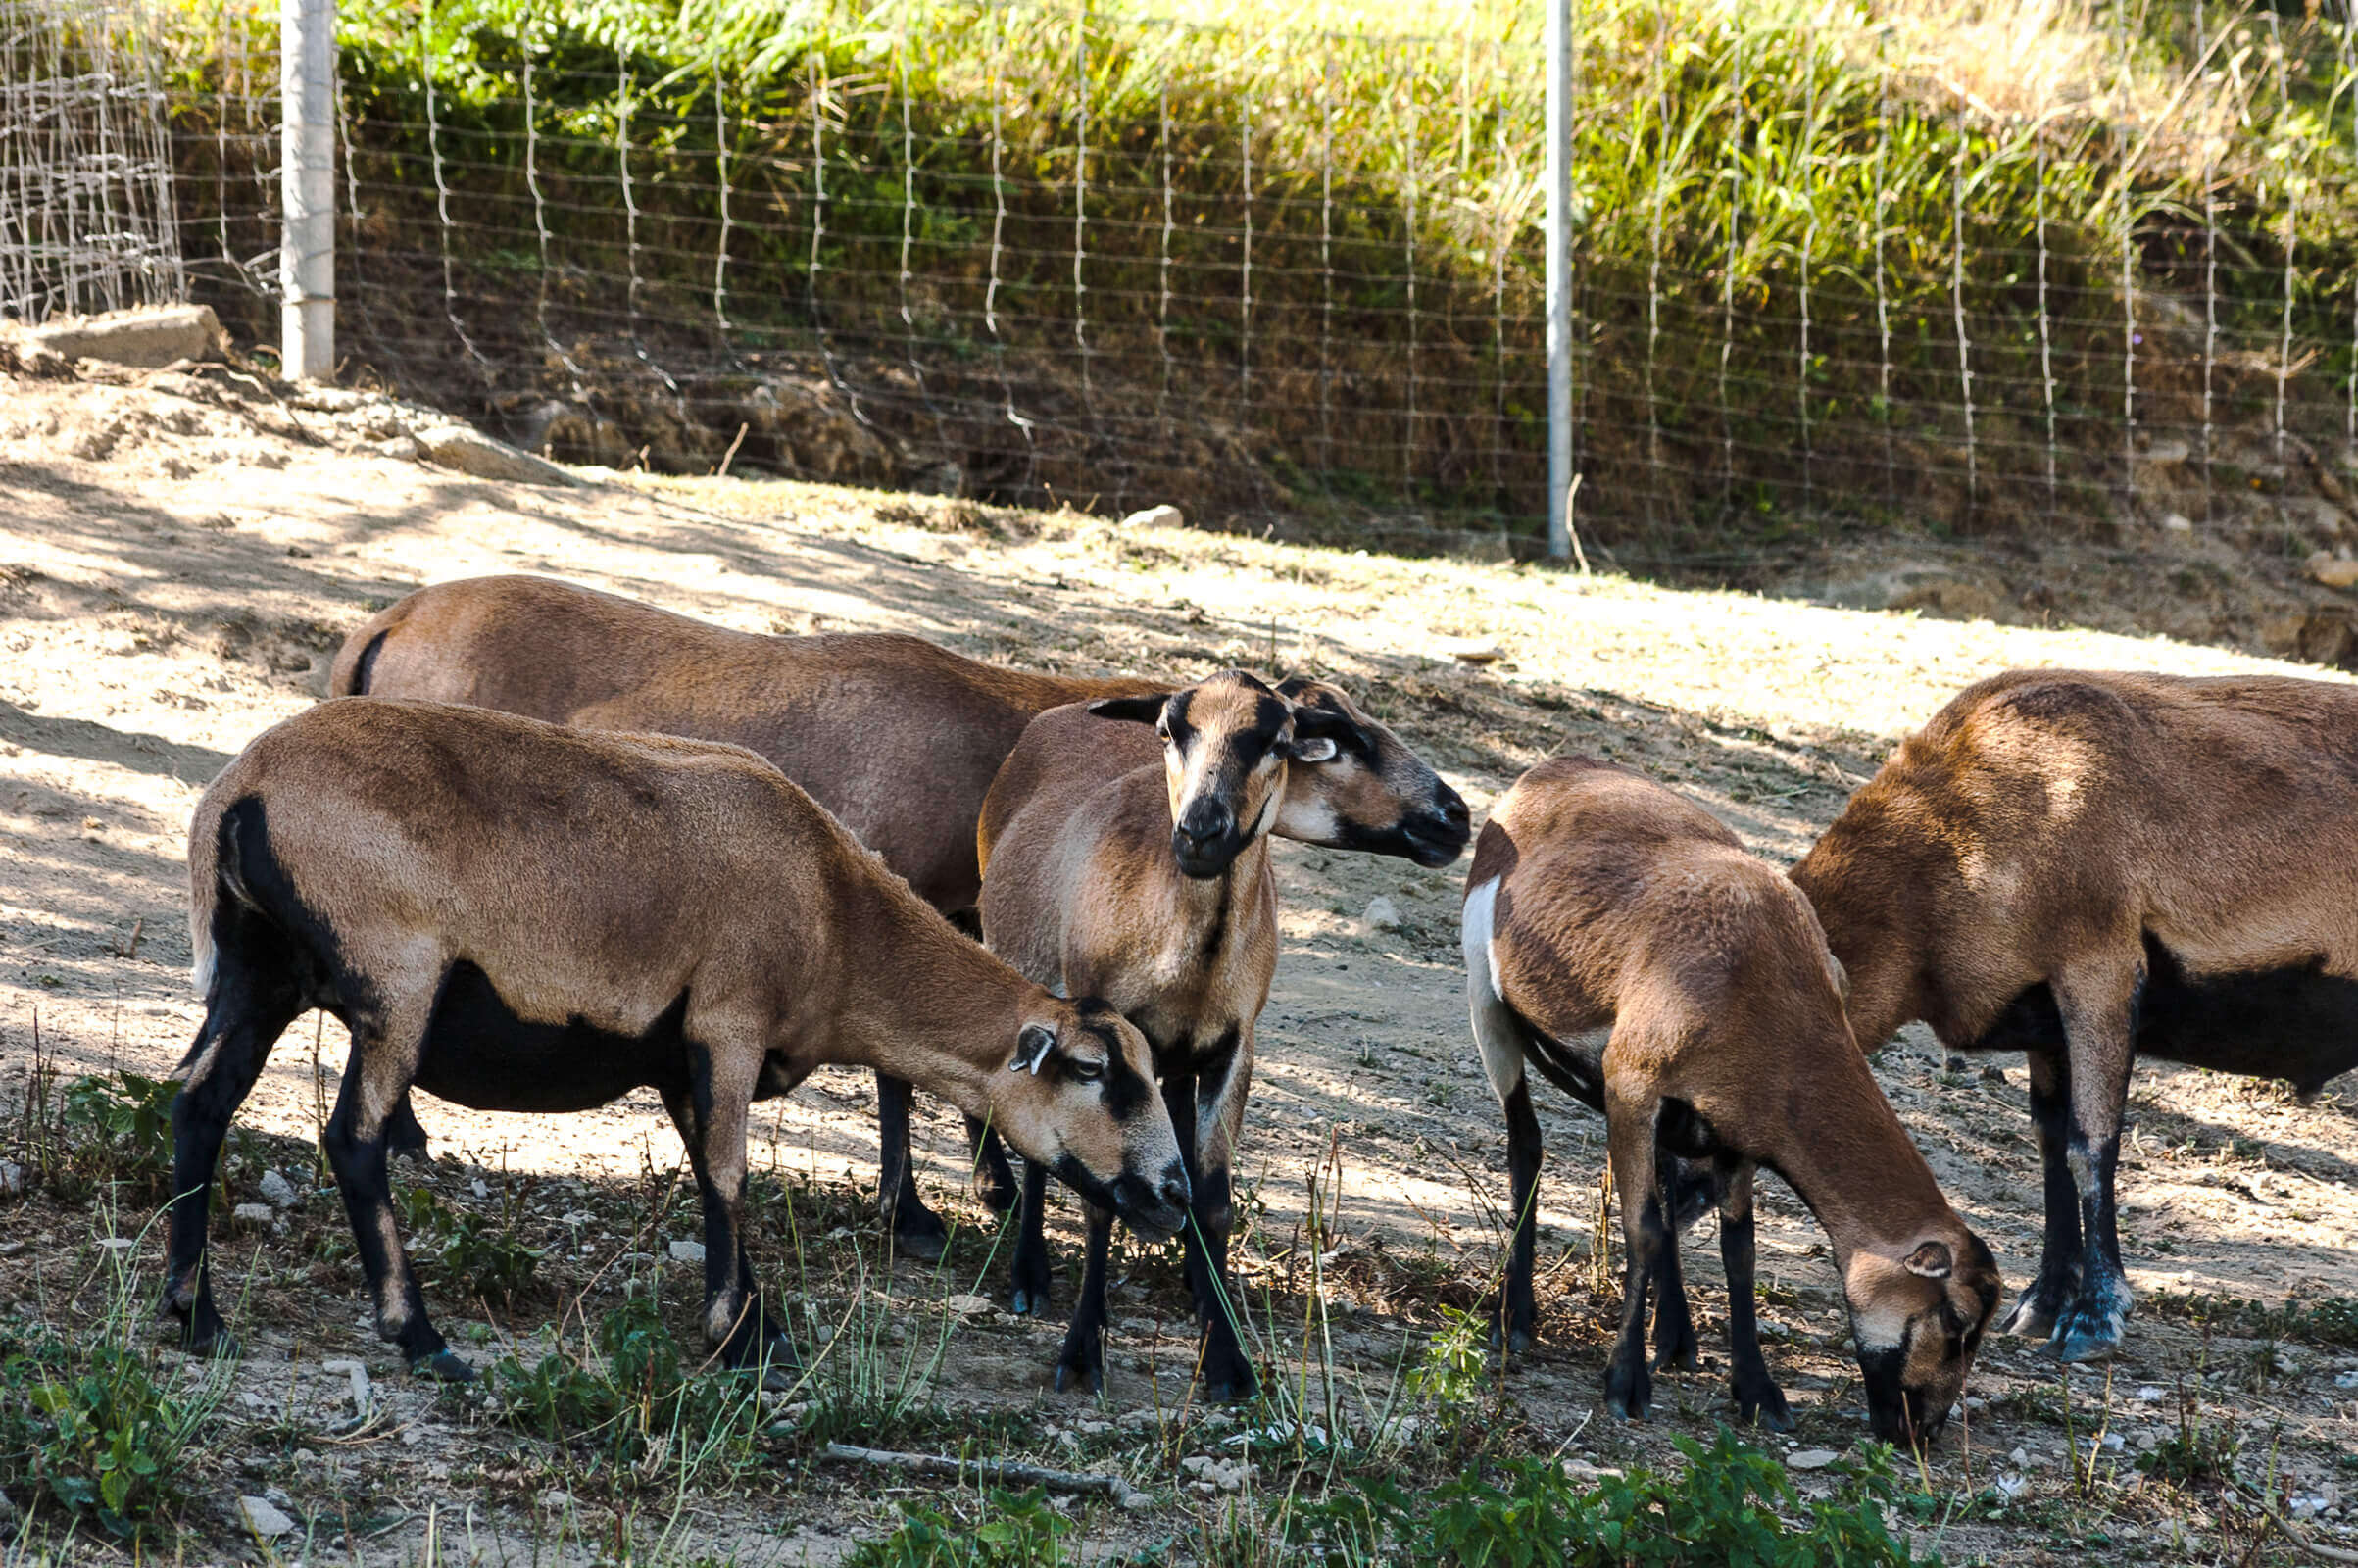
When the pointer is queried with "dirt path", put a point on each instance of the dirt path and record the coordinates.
(178, 559)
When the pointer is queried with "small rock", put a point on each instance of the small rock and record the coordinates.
(117, 1245)
(686, 1252)
(477, 1187)
(1163, 516)
(253, 1217)
(264, 1517)
(1811, 1458)
(277, 1190)
(147, 340)
(2330, 569)
(1471, 650)
(1135, 1500)
(555, 1500)
(2166, 452)
(2176, 522)
(2149, 1394)
(12, 1179)
(470, 452)
(1954, 1065)
(1994, 1074)
(967, 1306)
(1382, 914)
(402, 448)
(359, 1376)
(2347, 1379)
(1581, 1470)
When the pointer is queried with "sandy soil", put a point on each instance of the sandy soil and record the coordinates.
(180, 555)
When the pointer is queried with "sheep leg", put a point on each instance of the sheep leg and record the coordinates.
(1758, 1397)
(1675, 1347)
(709, 1114)
(2099, 1021)
(246, 1016)
(916, 1230)
(994, 1176)
(384, 1056)
(1517, 1321)
(1630, 1124)
(405, 1134)
(1030, 1273)
(1081, 1364)
(2042, 1302)
(1218, 1107)
(1502, 1035)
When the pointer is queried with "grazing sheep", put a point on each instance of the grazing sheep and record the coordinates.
(2090, 867)
(524, 917)
(1621, 941)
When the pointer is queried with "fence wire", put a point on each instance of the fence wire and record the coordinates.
(1828, 275)
(86, 216)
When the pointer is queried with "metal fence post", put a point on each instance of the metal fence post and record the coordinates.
(1559, 278)
(307, 247)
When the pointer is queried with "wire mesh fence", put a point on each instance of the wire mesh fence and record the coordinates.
(87, 220)
(1991, 269)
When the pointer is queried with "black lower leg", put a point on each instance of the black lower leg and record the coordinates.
(1518, 1323)
(994, 1176)
(1029, 1273)
(357, 1152)
(2057, 1281)
(403, 1134)
(916, 1230)
(1758, 1397)
(1628, 1386)
(1227, 1369)
(1081, 1364)
(232, 1048)
(2090, 1327)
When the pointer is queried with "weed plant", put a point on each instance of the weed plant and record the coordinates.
(94, 1425)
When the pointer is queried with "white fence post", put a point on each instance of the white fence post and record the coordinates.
(307, 247)
(1559, 278)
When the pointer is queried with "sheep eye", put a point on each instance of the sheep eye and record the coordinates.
(1088, 1072)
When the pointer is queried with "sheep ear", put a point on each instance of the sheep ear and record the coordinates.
(1032, 1047)
(1931, 1260)
(1134, 710)
(1312, 749)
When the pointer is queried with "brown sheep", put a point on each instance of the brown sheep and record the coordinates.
(2089, 866)
(1133, 864)
(524, 917)
(1621, 941)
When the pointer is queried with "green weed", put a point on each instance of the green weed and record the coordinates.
(1731, 1503)
(93, 1427)
(999, 1530)
(632, 1406)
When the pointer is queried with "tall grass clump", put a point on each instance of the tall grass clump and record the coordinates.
(1841, 259)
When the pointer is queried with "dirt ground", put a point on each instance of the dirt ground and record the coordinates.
(180, 555)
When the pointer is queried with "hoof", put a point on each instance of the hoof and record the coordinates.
(404, 1136)
(1075, 1376)
(1680, 1357)
(924, 1246)
(442, 1366)
(1232, 1388)
(1628, 1392)
(2083, 1339)
(220, 1346)
(1025, 1303)
(1765, 1407)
